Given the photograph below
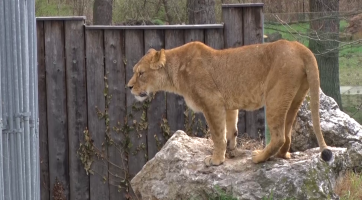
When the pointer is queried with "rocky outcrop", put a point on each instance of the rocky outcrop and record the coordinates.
(355, 27)
(272, 37)
(338, 128)
(178, 172)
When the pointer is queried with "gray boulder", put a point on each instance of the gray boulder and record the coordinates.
(338, 128)
(178, 172)
(272, 37)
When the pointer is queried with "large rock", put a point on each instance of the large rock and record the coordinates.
(272, 37)
(178, 172)
(338, 128)
(355, 27)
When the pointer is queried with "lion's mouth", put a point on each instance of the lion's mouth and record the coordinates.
(142, 96)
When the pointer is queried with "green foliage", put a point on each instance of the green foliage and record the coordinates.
(151, 11)
(52, 8)
(343, 24)
(352, 105)
(220, 194)
(271, 197)
(86, 152)
(350, 186)
(158, 22)
(292, 32)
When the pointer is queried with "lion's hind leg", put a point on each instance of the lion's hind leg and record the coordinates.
(291, 115)
(277, 106)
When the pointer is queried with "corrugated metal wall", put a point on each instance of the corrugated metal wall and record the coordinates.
(19, 155)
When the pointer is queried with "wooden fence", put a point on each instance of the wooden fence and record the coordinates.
(89, 118)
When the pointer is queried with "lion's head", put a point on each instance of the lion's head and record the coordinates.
(148, 74)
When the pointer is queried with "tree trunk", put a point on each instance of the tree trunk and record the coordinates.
(102, 12)
(201, 11)
(168, 12)
(323, 42)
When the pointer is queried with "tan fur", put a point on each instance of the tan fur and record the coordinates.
(219, 82)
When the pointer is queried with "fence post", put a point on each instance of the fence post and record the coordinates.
(19, 155)
(243, 25)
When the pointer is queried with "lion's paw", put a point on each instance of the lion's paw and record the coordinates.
(284, 156)
(230, 154)
(211, 161)
(236, 153)
(257, 156)
(231, 145)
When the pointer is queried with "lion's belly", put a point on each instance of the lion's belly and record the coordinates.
(191, 104)
(251, 99)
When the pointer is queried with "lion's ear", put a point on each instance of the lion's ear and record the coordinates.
(159, 60)
(150, 50)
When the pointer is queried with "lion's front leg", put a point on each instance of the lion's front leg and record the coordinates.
(231, 128)
(216, 119)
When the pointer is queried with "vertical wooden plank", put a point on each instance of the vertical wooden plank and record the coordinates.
(116, 106)
(157, 109)
(76, 106)
(196, 122)
(253, 34)
(194, 35)
(233, 26)
(99, 188)
(56, 105)
(214, 38)
(42, 102)
(253, 25)
(233, 37)
(134, 50)
(175, 103)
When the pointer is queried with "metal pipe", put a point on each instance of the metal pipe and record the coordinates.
(3, 52)
(2, 66)
(1, 123)
(7, 193)
(26, 104)
(36, 106)
(13, 165)
(19, 156)
(24, 52)
(17, 101)
(32, 121)
(10, 64)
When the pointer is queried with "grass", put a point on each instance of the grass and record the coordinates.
(349, 188)
(352, 106)
(350, 69)
(296, 31)
(292, 32)
(220, 194)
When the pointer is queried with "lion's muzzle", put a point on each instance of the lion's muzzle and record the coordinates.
(143, 94)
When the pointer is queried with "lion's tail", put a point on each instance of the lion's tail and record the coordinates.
(313, 80)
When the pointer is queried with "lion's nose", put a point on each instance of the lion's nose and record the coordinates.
(130, 87)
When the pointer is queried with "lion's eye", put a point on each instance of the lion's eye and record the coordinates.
(140, 73)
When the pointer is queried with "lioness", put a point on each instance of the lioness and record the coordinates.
(219, 82)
